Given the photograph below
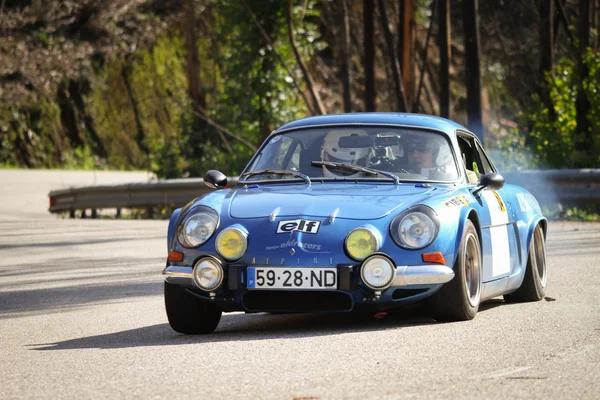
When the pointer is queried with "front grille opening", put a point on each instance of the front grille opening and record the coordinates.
(404, 293)
(305, 301)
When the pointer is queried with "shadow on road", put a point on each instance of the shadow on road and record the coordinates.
(250, 327)
(75, 242)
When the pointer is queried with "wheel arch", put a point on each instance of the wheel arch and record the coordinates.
(539, 220)
(467, 214)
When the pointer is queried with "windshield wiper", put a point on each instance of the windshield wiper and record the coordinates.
(356, 168)
(277, 172)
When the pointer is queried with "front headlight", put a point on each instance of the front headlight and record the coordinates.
(208, 274)
(415, 229)
(362, 242)
(378, 272)
(232, 243)
(198, 227)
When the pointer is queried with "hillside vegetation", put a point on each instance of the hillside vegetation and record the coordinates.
(181, 86)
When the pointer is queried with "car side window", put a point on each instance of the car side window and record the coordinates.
(486, 166)
(467, 153)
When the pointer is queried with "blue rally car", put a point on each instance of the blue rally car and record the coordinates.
(356, 212)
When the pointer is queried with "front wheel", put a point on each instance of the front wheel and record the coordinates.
(533, 287)
(188, 314)
(458, 300)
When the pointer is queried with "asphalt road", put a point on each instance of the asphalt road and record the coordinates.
(81, 316)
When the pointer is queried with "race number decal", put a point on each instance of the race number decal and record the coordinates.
(498, 233)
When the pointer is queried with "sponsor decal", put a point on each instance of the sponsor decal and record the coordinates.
(500, 202)
(527, 202)
(294, 243)
(300, 225)
(282, 261)
(458, 201)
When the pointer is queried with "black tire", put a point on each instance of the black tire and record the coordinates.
(534, 283)
(458, 300)
(188, 314)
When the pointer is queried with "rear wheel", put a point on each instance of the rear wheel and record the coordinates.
(458, 300)
(534, 283)
(188, 314)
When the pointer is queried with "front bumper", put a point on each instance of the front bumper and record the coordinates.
(431, 274)
(410, 283)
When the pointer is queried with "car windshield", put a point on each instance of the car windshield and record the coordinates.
(370, 153)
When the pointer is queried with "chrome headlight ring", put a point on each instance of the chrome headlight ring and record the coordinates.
(197, 226)
(415, 228)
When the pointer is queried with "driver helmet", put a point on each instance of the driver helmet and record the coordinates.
(332, 151)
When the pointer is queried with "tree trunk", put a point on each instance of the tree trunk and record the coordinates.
(346, 64)
(78, 89)
(369, 48)
(192, 65)
(582, 104)
(68, 116)
(140, 137)
(445, 55)
(307, 77)
(546, 52)
(396, 71)
(406, 45)
(473, 73)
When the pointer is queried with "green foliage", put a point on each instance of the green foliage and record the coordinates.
(82, 158)
(556, 142)
(29, 135)
(246, 87)
(582, 213)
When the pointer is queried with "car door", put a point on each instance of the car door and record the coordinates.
(499, 245)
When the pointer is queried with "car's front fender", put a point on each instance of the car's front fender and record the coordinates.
(172, 227)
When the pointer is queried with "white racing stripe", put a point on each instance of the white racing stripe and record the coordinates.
(498, 233)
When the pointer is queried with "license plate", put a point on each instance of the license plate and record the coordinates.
(292, 278)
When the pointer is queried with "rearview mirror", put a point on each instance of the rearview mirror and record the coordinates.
(385, 141)
(490, 180)
(355, 142)
(215, 179)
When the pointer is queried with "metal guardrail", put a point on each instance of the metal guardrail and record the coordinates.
(573, 187)
(559, 186)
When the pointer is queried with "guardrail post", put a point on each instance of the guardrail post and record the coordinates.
(118, 213)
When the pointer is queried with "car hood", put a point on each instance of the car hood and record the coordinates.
(361, 201)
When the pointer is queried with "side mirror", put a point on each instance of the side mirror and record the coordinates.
(215, 179)
(490, 180)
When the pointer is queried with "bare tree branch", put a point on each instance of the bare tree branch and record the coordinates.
(399, 89)
(416, 100)
(280, 58)
(200, 112)
(565, 21)
(307, 78)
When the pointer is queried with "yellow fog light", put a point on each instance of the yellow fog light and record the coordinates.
(232, 243)
(361, 243)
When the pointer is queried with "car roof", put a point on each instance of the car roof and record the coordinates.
(377, 118)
